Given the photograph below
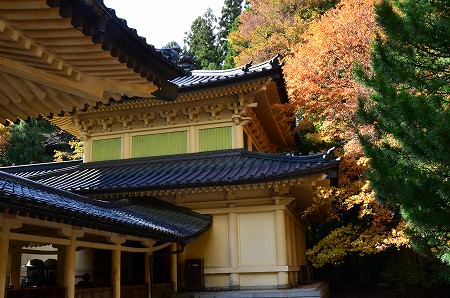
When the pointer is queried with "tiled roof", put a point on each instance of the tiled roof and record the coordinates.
(144, 217)
(214, 168)
(202, 78)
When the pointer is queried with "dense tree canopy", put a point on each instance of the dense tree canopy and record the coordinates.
(202, 42)
(322, 86)
(271, 27)
(228, 22)
(33, 141)
(410, 110)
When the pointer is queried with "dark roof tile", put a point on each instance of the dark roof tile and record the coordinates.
(214, 168)
(143, 217)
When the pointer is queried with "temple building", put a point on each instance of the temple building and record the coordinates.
(187, 182)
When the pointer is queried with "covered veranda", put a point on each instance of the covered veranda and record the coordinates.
(121, 234)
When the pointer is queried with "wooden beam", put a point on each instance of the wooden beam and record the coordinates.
(141, 90)
(48, 24)
(27, 14)
(23, 4)
(66, 41)
(75, 49)
(87, 88)
(53, 33)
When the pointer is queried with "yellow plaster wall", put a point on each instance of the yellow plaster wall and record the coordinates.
(262, 280)
(218, 281)
(257, 239)
(213, 245)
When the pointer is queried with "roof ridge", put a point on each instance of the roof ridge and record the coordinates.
(163, 158)
(45, 188)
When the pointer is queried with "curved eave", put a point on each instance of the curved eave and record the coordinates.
(35, 200)
(58, 57)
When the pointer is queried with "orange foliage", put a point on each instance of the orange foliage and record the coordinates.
(319, 73)
(270, 27)
(321, 84)
(4, 137)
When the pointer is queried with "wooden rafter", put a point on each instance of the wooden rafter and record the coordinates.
(47, 65)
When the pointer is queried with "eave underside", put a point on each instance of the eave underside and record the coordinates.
(55, 59)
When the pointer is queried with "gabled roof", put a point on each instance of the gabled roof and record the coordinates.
(201, 79)
(206, 169)
(146, 217)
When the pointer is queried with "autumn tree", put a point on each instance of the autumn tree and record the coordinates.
(4, 137)
(270, 27)
(410, 110)
(321, 83)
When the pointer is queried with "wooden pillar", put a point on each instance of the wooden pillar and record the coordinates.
(233, 247)
(70, 258)
(148, 278)
(115, 271)
(4, 245)
(115, 263)
(147, 267)
(174, 267)
(69, 267)
(15, 267)
(8, 222)
(281, 249)
(60, 264)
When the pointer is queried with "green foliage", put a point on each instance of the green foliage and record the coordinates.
(33, 141)
(172, 45)
(208, 38)
(230, 12)
(202, 42)
(410, 109)
(228, 22)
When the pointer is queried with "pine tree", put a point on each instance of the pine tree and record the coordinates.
(410, 109)
(228, 22)
(202, 42)
(34, 141)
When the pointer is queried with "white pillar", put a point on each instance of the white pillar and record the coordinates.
(294, 251)
(288, 245)
(233, 247)
(238, 135)
(281, 249)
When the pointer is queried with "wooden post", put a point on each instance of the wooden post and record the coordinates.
(69, 267)
(70, 258)
(173, 268)
(147, 267)
(281, 250)
(115, 263)
(8, 222)
(15, 267)
(115, 271)
(233, 243)
(4, 245)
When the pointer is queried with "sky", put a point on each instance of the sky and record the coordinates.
(159, 21)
